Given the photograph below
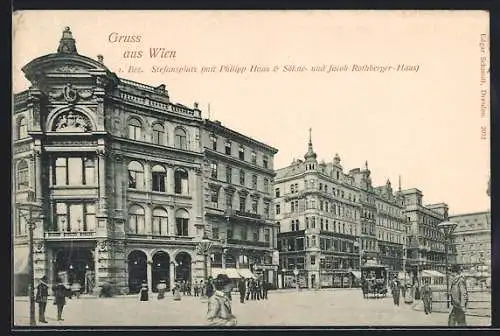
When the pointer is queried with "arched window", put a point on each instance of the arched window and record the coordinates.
(180, 138)
(135, 175)
(22, 128)
(136, 220)
(159, 134)
(160, 222)
(182, 222)
(159, 177)
(134, 129)
(181, 181)
(23, 175)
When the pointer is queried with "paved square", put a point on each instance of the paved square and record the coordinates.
(330, 307)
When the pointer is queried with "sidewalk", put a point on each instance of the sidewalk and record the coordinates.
(419, 306)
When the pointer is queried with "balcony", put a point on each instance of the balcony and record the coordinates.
(158, 237)
(54, 235)
(248, 242)
(242, 214)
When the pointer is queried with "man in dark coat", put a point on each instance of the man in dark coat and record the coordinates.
(60, 293)
(42, 294)
(210, 287)
(265, 287)
(395, 289)
(459, 297)
(242, 288)
(426, 293)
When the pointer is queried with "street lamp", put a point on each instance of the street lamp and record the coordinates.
(34, 211)
(447, 228)
(203, 248)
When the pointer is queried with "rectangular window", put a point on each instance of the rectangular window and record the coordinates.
(213, 169)
(229, 201)
(266, 185)
(254, 157)
(278, 209)
(90, 219)
(229, 233)
(159, 181)
(255, 206)
(267, 235)
(266, 210)
(256, 236)
(229, 174)
(241, 153)
(254, 181)
(74, 171)
(182, 226)
(215, 233)
(265, 162)
(228, 148)
(214, 198)
(23, 177)
(214, 142)
(300, 244)
(242, 177)
(277, 192)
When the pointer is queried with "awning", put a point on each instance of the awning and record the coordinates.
(232, 273)
(21, 261)
(431, 273)
(246, 273)
(357, 274)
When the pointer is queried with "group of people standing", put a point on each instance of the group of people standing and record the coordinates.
(60, 292)
(458, 296)
(252, 289)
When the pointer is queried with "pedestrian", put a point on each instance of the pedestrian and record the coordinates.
(426, 293)
(265, 288)
(60, 293)
(188, 285)
(176, 291)
(248, 289)
(195, 289)
(403, 289)
(219, 306)
(162, 288)
(458, 297)
(242, 289)
(203, 289)
(395, 289)
(42, 294)
(209, 287)
(143, 292)
(76, 287)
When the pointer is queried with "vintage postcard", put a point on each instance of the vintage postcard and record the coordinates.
(251, 168)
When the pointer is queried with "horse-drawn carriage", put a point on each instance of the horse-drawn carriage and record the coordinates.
(374, 281)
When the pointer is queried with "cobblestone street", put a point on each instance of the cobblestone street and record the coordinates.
(328, 307)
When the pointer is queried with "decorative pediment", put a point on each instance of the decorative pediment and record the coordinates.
(72, 122)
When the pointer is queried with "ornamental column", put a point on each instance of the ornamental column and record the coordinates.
(101, 158)
(150, 274)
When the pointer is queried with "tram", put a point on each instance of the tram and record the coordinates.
(374, 281)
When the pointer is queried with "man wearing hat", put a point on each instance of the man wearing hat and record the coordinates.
(42, 294)
(458, 297)
(219, 306)
(395, 289)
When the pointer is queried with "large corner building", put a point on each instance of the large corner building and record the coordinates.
(129, 182)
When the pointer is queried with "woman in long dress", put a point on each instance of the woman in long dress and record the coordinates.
(143, 293)
(176, 291)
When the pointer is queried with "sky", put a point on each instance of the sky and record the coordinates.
(423, 124)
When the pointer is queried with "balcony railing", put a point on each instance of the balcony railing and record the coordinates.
(157, 237)
(69, 234)
(231, 212)
(248, 242)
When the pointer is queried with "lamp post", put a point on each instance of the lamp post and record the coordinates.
(447, 228)
(203, 248)
(34, 211)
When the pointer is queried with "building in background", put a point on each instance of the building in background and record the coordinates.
(391, 228)
(472, 238)
(425, 241)
(238, 177)
(319, 214)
